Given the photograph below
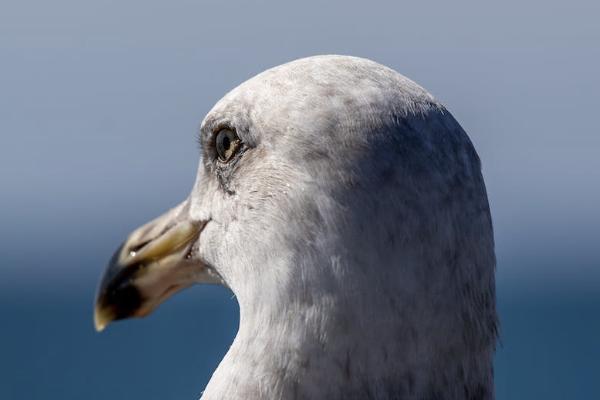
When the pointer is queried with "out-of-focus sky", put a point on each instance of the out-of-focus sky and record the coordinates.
(100, 103)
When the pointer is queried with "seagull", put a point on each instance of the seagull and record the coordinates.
(345, 208)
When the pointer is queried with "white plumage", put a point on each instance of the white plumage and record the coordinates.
(354, 229)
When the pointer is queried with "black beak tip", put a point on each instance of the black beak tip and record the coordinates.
(117, 295)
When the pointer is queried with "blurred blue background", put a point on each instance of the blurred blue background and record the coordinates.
(99, 107)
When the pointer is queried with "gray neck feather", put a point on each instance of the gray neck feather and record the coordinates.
(379, 281)
(391, 302)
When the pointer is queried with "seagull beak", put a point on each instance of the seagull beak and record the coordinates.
(152, 264)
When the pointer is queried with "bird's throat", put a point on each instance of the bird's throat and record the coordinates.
(314, 355)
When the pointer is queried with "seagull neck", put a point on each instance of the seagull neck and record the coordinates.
(334, 348)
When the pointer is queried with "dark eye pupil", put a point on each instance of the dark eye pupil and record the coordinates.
(225, 143)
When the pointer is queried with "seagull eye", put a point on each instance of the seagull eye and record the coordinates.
(227, 142)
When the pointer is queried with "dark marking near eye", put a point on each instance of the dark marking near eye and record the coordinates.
(225, 171)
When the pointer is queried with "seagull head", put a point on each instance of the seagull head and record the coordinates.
(298, 167)
(345, 209)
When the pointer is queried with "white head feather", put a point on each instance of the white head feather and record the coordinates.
(355, 232)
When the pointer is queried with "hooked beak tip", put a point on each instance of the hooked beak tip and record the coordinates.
(101, 320)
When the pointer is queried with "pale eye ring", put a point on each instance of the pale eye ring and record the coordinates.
(227, 143)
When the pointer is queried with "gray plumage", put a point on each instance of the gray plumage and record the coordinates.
(355, 232)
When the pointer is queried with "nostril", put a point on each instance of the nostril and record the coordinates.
(133, 250)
